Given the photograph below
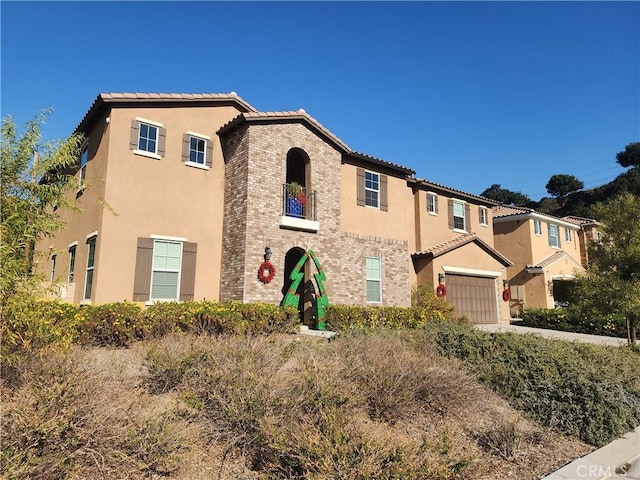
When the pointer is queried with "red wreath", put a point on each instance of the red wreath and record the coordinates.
(266, 272)
(506, 295)
(441, 291)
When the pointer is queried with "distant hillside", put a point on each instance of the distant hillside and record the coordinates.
(580, 203)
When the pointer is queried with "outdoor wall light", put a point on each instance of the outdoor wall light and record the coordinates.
(505, 284)
(441, 278)
(267, 254)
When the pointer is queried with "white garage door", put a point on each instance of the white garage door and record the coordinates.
(473, 297)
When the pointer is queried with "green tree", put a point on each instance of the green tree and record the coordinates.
(612, 282)
(35, 177)
(505, 196)
(630, 157)
(561, 185)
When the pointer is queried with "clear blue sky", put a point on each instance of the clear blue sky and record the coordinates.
(466, 93)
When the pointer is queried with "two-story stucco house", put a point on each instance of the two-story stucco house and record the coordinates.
(185, 197)
(546, 252)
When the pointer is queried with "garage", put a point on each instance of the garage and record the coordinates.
(474, 297)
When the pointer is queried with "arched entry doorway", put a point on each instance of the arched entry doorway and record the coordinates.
(303, 290)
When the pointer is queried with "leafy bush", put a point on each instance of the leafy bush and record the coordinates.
(577, 389)
(570, 320)
(353, 317)
(115, 324)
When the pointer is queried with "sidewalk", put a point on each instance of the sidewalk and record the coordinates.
(568, 336)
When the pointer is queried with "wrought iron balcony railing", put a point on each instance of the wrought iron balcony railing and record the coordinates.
(298, 202)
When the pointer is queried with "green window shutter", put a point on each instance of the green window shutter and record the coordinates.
(188, 274)
(135, 134)
(162, 141)
(209, 154)
(450, 205)
(142, 278)
(360, 186)
(384, 200)
(186, 139)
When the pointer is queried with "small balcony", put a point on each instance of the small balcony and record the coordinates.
(298, 208)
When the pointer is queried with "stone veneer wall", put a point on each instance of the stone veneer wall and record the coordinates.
(263, 149)
(235, 148)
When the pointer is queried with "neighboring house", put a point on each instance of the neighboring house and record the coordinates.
(185, 196)
(589, 232)
(546, 252)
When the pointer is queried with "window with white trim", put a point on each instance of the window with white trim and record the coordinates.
(372, 189)
(84, 157)
(554, 235)
(483, 216)
(374, 279)
(432, 203)
(91, 258)
(537, 227)
(72, 262)
(459, 221)
(197, 150)
(567, 234)
(166, 267)
(148, 138)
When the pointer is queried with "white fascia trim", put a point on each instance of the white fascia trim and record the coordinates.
(563, 276)
(199, 135)
(167, 237)
(150, 122)
(73, 244)
(147, 154)
(471, 271)
(537, 216)
(92, 234)
(299, 223)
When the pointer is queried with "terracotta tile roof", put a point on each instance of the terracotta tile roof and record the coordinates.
(436, 186)
(550, 260)
(385, 163)
(459, 241)
(507, 210)
(125, 97)
(581, 221)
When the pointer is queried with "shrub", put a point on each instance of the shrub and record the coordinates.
(571, 320)
(345, 318)
(115, 324)
(577, 389)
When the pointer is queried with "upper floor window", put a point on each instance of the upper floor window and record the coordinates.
(148, 138)
(483, 215)
(197, 150)
(374, 279)
(372, 189)
(567, 234)
(459, 220)
(432, 203)
(84, 157)
(537, 226)
(554, 235)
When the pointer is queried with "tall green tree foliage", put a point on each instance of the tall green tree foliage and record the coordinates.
(505, 196)
(35, 177)
(630, 156)
(612, 282)
(561, 185)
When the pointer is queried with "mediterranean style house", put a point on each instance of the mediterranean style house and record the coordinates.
(201, 196)
(547, 252)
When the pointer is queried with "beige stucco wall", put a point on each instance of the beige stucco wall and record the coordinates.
(432, 229)
(88, 219)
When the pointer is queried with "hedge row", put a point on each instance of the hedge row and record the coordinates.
(352, 317)
(33, 325)
(570, 321)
